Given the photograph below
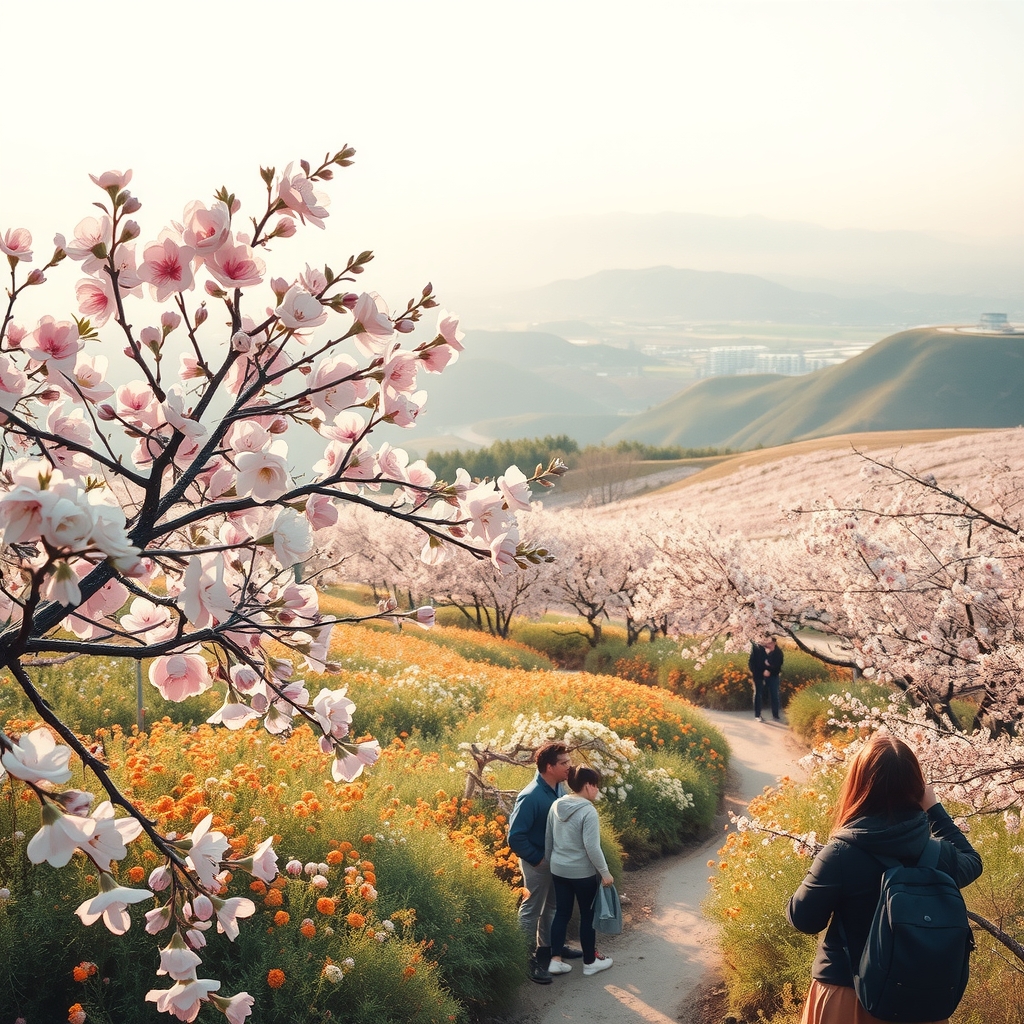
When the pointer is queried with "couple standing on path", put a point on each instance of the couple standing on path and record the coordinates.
(557, 838)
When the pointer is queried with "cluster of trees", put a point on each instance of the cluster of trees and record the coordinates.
(494, 459)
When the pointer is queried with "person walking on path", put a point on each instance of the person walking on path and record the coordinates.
(526, 832)
(572, 846)
(885, 810)
(765, 664)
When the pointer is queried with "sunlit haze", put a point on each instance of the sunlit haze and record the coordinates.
(471, 118)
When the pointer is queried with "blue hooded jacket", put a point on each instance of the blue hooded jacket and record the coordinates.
(529, 820)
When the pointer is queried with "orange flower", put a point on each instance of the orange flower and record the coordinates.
(334, 857)
(281, 918)
(79, 974)
(408, 972)
(325, 905)
(275, 977)
(273, 898)
(488, 928)
(136, 874)
(258, 886)
(308, 929)
(76, 1015)
(355, 920)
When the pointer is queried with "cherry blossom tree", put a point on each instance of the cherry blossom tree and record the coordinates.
(151, 507)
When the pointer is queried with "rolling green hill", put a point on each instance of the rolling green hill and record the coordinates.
(917, 379)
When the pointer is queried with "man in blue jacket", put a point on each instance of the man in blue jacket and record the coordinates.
(526, 831)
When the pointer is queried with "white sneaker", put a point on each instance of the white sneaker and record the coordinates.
(559, 967)
(597, 965)
(758, 718)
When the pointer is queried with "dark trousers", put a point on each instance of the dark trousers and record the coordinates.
(567, 892)
(771, 684)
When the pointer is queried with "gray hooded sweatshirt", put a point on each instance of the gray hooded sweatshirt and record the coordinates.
(572, 844)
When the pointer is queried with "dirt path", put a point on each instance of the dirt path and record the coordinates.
(669, 950)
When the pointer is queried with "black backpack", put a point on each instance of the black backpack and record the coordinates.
(917, 955)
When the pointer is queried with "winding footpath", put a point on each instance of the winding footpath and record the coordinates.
(670, 950)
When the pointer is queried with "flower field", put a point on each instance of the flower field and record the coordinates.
(397, 895)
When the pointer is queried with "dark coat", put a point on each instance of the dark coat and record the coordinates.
(760, 659)
(845, 880)
(529, 820)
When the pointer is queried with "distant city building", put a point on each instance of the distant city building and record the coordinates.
(994, 322)
(789, 364)
(730, 361)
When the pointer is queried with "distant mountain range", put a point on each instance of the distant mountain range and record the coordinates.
(916, 379)
(668, 294)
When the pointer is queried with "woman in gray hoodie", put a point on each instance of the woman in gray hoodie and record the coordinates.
(572, 847)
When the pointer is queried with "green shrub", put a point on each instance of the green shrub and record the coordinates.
(810, 709)
(565, 643)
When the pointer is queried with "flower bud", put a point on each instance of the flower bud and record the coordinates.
(278, 425)
(129, 230)
(36, 277)
(201, 315)
(202, 907)
(318, 882)
(405, 326)
(241, 342)
(131, 205)
(49, 395)
(349, 300)
(160, 878)
(195, 938)
(214, 290)
(284, 228)
(293, 867)
(170, 320)
(75, 801)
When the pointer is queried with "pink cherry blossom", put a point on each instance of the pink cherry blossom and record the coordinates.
(13, 383)
(262, 475)
(206, 230)
(424, 617)
(137, 404)
(167, 268)
(233, 713)
(293, 538)
(335, 386)
(112, 179)
(334, 712)
(401, 408)
(236, 1009)
(88, 382)
(184, 999)
(36, 757)
(208, 850)
(515, 489)
(301, 311)
(150, 622)
(89, 233)
(235, 266)
(17, 244)
(96, 299)
(109, 841)
(56, 343)
(91, 618)
(371, 313)
(179, 676)
(111, 905)
(321, 511)
(228, 913)
(263, 862)
(59, 837)
(400, 371)
(178, 961)
(348, 766)
(297, 193)
(205, 597)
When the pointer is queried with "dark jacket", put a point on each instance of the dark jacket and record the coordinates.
(529, 820)
(760, 659)
(845, 880)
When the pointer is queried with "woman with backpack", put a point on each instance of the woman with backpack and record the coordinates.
(885, 821)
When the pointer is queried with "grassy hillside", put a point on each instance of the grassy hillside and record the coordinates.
(924, 378)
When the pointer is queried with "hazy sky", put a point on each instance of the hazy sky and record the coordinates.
(847, 114)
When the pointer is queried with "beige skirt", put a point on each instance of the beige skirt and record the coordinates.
(837, 1004)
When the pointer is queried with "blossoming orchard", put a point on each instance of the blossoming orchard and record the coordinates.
(151, 508)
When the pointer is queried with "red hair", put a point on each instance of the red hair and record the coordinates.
(884, 779)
